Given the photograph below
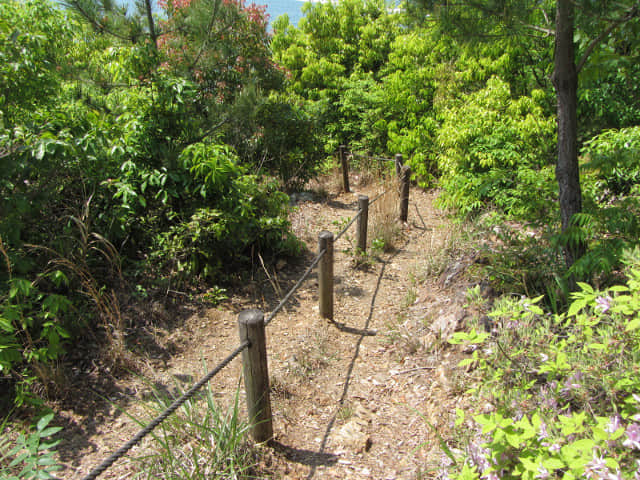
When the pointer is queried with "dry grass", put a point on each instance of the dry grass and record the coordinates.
(315, 353)
(448, 242)
(105, 300)
(328, 182)
(385, 227)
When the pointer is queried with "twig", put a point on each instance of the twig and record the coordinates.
(413, 370)
(274, 283)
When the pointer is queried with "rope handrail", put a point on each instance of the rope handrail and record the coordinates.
(294, 288)
(344, 230)
(377, 197)
(196, 387)
(371, 157)
(164, 415)
(382, 159)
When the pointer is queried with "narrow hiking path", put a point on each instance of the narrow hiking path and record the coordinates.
(358, 397)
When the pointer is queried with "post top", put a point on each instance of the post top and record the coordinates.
(251, 317)
(325, 234)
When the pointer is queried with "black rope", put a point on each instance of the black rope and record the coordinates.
(164, 415)
(192, 391)
(377, 197)
(295, 287)
(344, 230)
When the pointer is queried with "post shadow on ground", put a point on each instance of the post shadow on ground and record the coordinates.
(363, 332)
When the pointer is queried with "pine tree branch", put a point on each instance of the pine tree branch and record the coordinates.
(605, 33)
(99, 26)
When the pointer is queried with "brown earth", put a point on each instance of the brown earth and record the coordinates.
(358, 397)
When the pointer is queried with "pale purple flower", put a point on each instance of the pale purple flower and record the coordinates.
(478, 456)
(553, 447)
(596, 468)
(633, 436)
(616, 476)
(571, 383)
(613, 425)
(492, 475)
(444, 475)
(543, 473)
(603, 303)
(543, 432)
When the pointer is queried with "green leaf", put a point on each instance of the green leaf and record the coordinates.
(576, 306)
(632, 325)
(6, 325)
(553, 463)
(459, 417)
(618, 288)
(43, 422)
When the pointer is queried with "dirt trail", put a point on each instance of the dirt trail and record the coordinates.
(358, 397)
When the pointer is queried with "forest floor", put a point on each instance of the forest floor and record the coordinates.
(367, 395)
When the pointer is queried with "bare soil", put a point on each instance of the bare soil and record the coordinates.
(366, 395)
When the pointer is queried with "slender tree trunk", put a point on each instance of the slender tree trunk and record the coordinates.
(565, 80)
(152, 27)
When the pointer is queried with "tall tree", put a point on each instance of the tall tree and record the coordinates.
(597, 24)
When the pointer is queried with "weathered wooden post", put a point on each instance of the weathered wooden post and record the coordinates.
(405, 175)
(256, 374)
(345, 168)
(363, 219)
(398, 162)
(325, 274)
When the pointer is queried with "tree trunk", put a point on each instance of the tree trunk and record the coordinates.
(152, 27)
(565, 80)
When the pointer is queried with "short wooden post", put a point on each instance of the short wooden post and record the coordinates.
(256, 374)
(325, 274)
(398, 162)
(405, 176)
(363, 219)
(345, 168)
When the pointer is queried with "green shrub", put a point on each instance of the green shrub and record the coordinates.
(226, 216)
(564, 387)
(612, 159)
(497, 151)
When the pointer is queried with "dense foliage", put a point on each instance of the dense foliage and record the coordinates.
(465, 94)
(152, 148)
(128, 163)
(564, 388)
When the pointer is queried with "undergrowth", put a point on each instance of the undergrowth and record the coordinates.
(200, 441)
(31, 454)
(564, 388)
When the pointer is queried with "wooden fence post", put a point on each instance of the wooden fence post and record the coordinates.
(405, 176)
(345, 168)
(363, 219)
(256, 374)
(398, 162)
(325, 274)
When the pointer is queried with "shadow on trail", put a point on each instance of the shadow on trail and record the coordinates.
(303, 456)
(354, 331)
(356, 354)
(363, 332)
